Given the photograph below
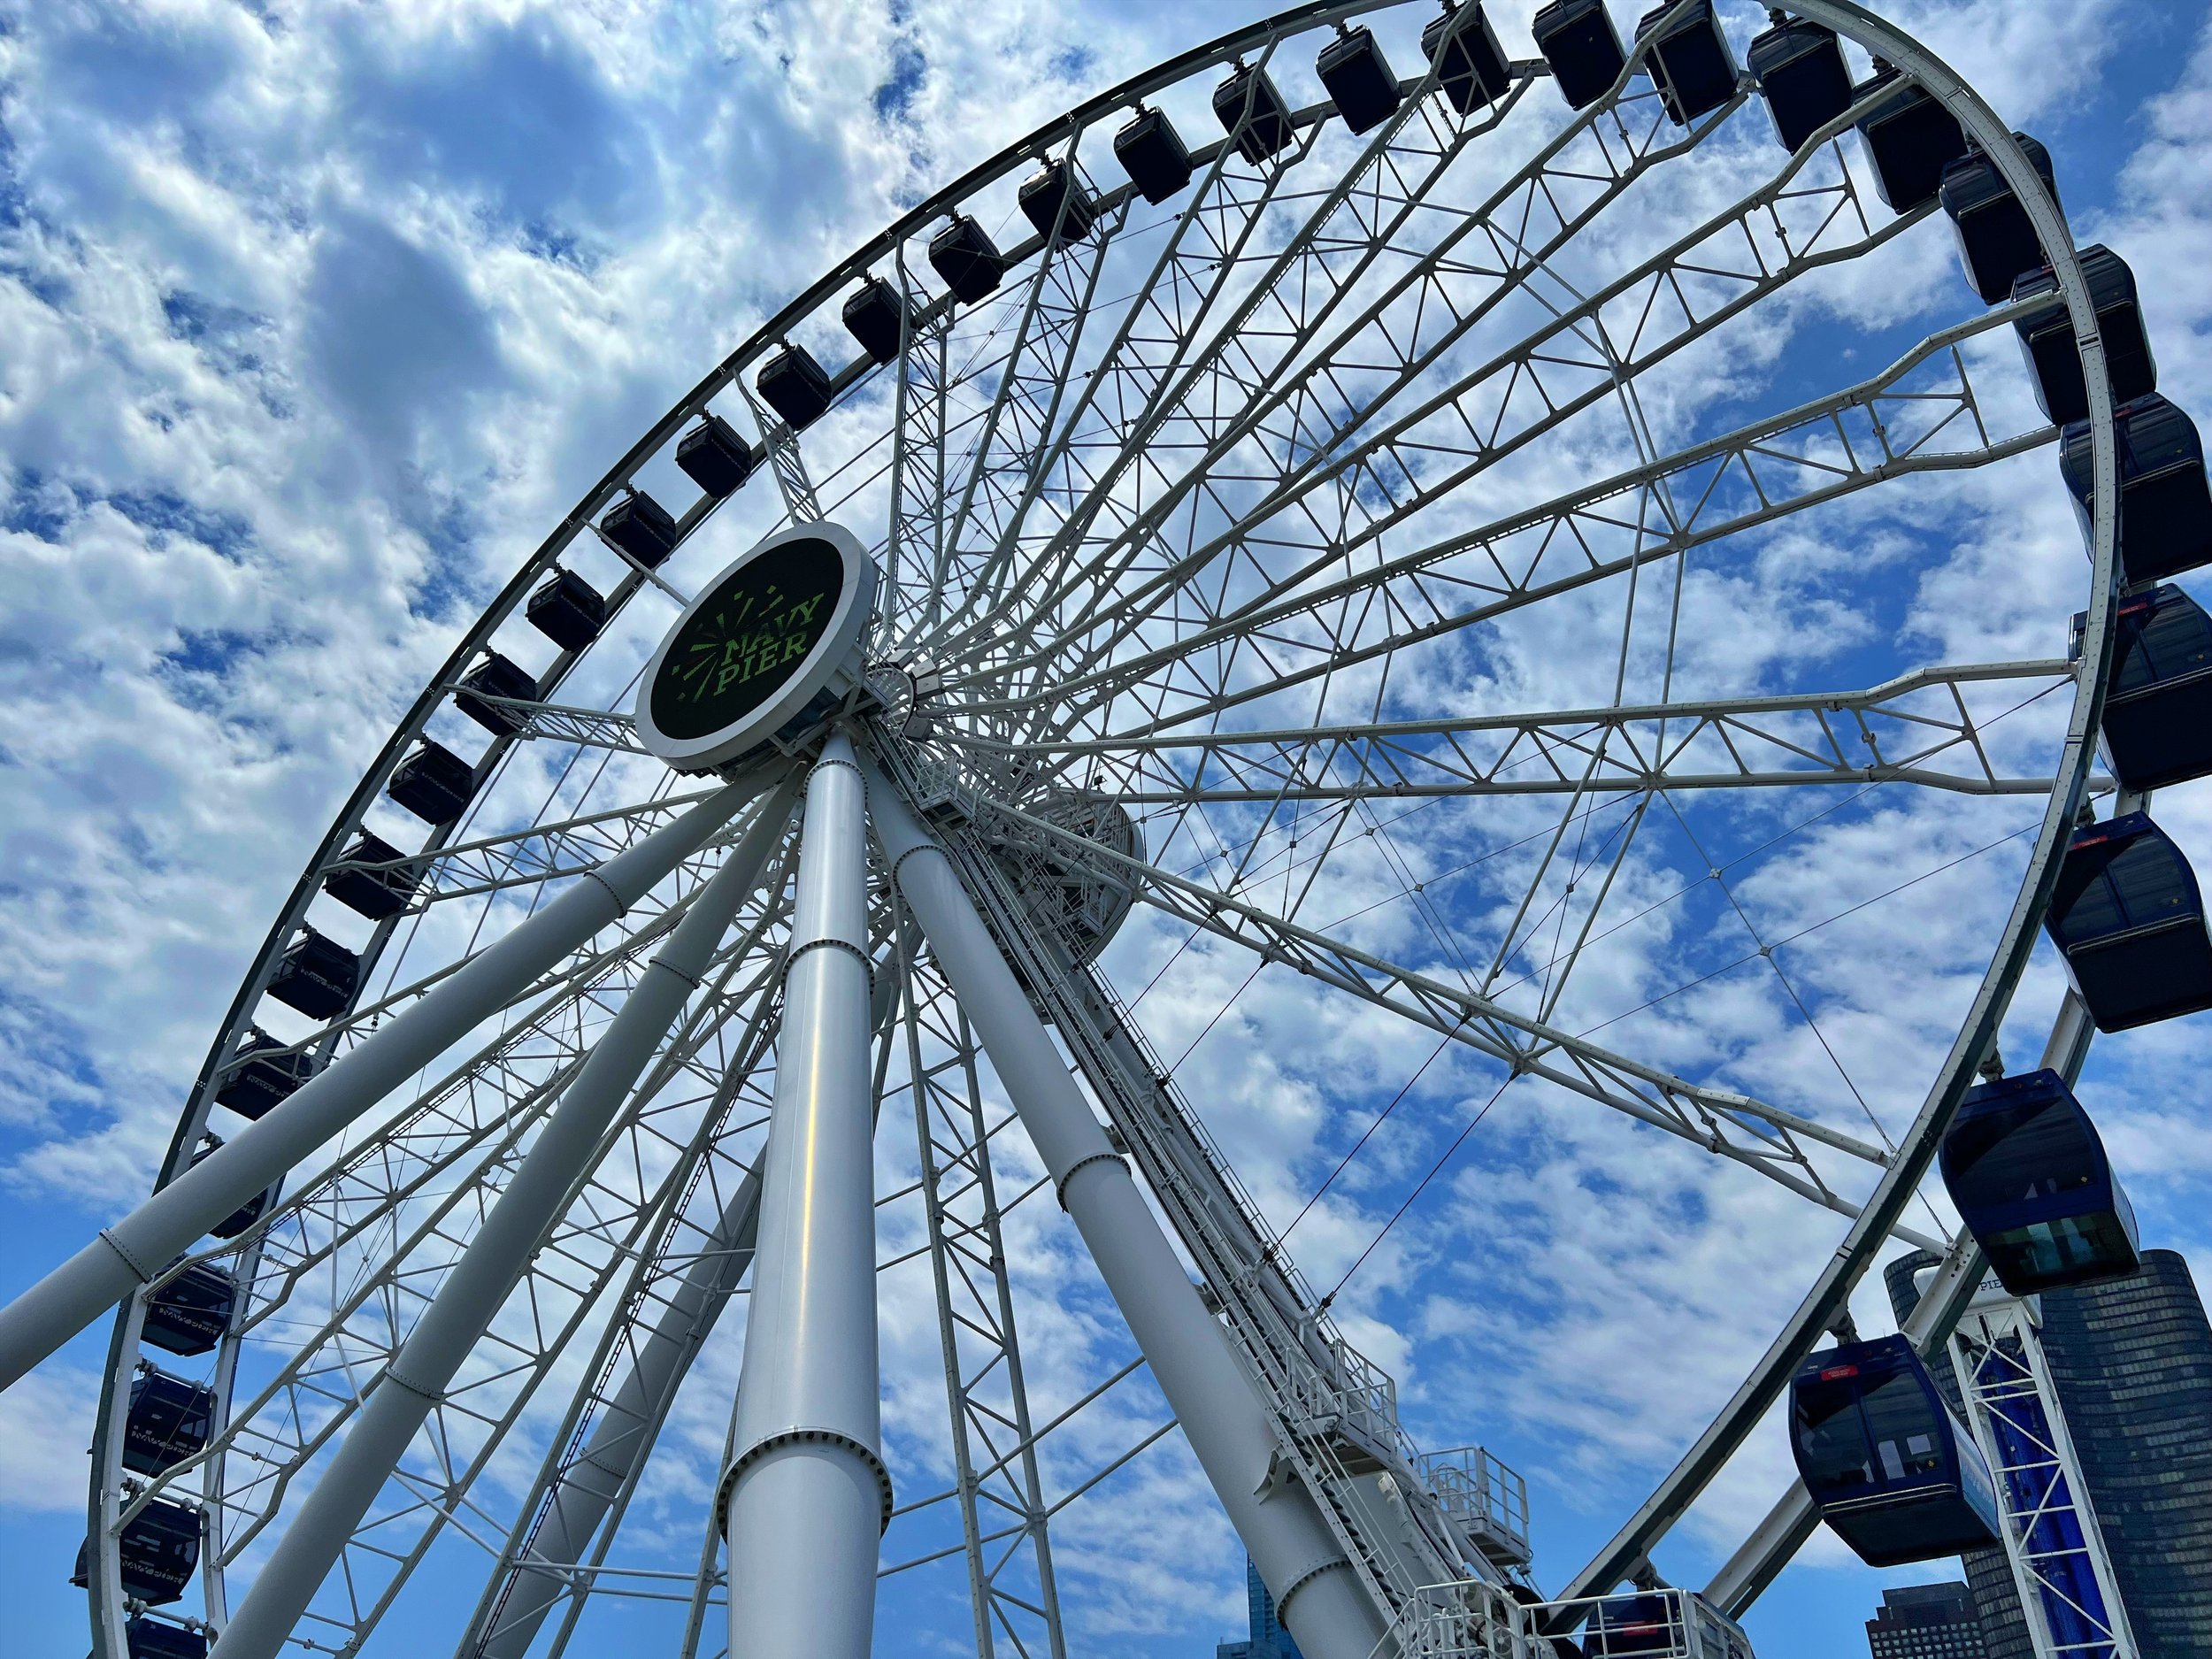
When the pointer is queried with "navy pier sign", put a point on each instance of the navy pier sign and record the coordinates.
(774, 631)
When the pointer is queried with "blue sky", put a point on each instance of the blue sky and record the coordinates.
(313, 318)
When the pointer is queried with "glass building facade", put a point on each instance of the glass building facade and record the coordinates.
(2132, 1364)
(1268, 1638)
(1926, 1621)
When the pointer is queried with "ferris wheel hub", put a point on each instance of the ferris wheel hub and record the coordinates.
(772, 645)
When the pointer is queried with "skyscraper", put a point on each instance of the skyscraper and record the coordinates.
(1925, 1621)
(2131, 1362)
(1268, 1639)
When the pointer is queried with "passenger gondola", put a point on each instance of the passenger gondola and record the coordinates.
(568, 609)
(263, 1073)
(714, 458)
(1996, 242)
(2047, 336)
(1894, 1472)
(168, 1421)
(1471, 66)
(317, 976)
(1800, 68)
(2165, 523)
(1689, 62)
(160, 1548)
(376, 894)
(239, 1220)
(150, 1639)
(188, 1315)
(796, 387)
(2158, 691)
(2128, 920)
(2030, 1176)
(1578, 40)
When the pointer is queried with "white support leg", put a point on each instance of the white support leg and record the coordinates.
(806, 1495)
(136, 1248)
(472, 1294)
(1228, 1426)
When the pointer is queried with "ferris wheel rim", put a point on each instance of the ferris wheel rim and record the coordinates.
(1849, 19)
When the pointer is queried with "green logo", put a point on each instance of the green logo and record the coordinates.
(749, 638)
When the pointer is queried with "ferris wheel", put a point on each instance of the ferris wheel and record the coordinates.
(1317, 473)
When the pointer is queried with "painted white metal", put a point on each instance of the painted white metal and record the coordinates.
(130, 1252)
(416, 1380)
(806, 1495)
(1229, 1430)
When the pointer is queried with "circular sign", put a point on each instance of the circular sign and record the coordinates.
(766, 638)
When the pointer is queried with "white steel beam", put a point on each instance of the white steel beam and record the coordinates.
(1228, 1426)
(806, 1496)
(456, 1318)
(136, 1248)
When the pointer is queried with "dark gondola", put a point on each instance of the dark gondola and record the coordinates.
(2128, 920)
(795, 386)
(2158, 693)
(1252, 111)
(2047, 336)
(2165, 505)
(501, 678)
(376, 894)
(712, 455)
(1689, 62)
(2032, 1182)
(160, 1548)
(168, 1421)
(1471, 66)
(967, 259)
(317, 976)
(568, 611)
(1359, 80)
(1800, 68)
(1052, 197)
(1894, 1473)
(1910, 138)
(188, 1315)
(642, 528)
(434, 783)
(1153, 156)
(264, 1074)
(151, 1639)
(1578, 40)
(239, 1220)
(878, 319)
(1996, 242)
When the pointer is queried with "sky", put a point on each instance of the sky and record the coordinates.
(314, 318)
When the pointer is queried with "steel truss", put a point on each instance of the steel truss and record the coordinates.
(1176, 525)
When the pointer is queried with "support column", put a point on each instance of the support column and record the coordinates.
(472, 1294)
(135, 1249)
(1228, 1424)
(806, 1496)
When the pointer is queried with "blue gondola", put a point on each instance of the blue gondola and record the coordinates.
(2128, 920)
(2158, 693)
(2047, 336)
(2031, 1179)
(2165, 505)
(1800, 68)
(160, 1548)
(263, 1073)
(1894, 1473)
(188, 1315)
(169, 1420)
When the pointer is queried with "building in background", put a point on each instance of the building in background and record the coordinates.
(1268, 1639)
(1926, 1621)
(2131, 1364)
